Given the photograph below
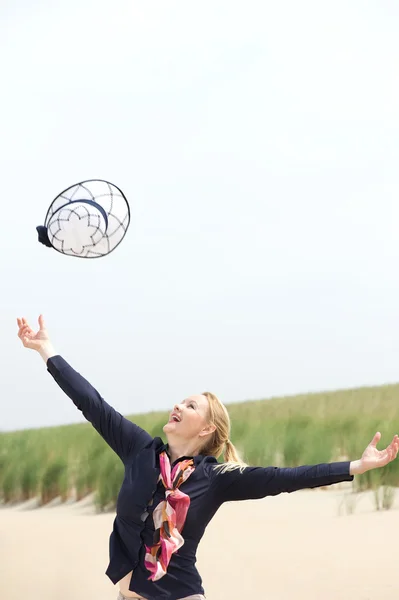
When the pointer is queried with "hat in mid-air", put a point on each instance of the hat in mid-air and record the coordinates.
(87, 220)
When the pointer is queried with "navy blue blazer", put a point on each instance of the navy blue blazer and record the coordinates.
(141, 492)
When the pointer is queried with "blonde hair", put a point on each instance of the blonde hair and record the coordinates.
(219, 442)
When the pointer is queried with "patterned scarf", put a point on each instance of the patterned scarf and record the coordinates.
(169, 517)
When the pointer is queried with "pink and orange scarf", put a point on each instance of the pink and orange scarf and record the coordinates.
(169, 516)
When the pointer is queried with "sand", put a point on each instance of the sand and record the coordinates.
(300, 545)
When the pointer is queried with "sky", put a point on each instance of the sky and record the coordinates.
(258, 146)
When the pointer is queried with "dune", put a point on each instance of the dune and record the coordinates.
(302, 545)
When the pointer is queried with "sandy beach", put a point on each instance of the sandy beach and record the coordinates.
(301, 545)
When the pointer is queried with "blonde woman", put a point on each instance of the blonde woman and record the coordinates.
(171, 491)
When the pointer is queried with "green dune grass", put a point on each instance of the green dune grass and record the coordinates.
(73, 461)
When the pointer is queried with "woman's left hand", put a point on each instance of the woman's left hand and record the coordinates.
(373, 458)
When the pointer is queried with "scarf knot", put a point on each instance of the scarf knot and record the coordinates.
(169, 516)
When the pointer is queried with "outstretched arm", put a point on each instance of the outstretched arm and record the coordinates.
(123, 436)
(259, 482)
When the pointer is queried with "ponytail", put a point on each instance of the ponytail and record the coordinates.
(232, 459)
(219, 443)
(230, 454)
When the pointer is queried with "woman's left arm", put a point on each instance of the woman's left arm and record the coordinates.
(259, 482)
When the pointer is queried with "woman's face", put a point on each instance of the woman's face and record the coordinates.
(189, 419)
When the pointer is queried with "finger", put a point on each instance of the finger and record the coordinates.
(25, 322)
(375, 439)
(385, 457)
(41, 323)
(22, 335)
(394, 445)
(26, 330)
(21, 332)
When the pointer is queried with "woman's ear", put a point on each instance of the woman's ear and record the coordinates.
(208, 429)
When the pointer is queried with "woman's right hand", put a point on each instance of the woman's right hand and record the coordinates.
(39, 341)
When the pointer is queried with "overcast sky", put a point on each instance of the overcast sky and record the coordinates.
(257, 143)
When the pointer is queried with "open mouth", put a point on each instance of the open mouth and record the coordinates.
(175, 418)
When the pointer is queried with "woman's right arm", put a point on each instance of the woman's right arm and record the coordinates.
(123, 436)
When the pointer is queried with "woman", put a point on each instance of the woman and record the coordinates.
(173, 490)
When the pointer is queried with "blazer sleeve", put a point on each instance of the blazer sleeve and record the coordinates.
(259, 482)
(123, 436)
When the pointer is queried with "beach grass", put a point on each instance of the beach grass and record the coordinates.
(73, 461)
